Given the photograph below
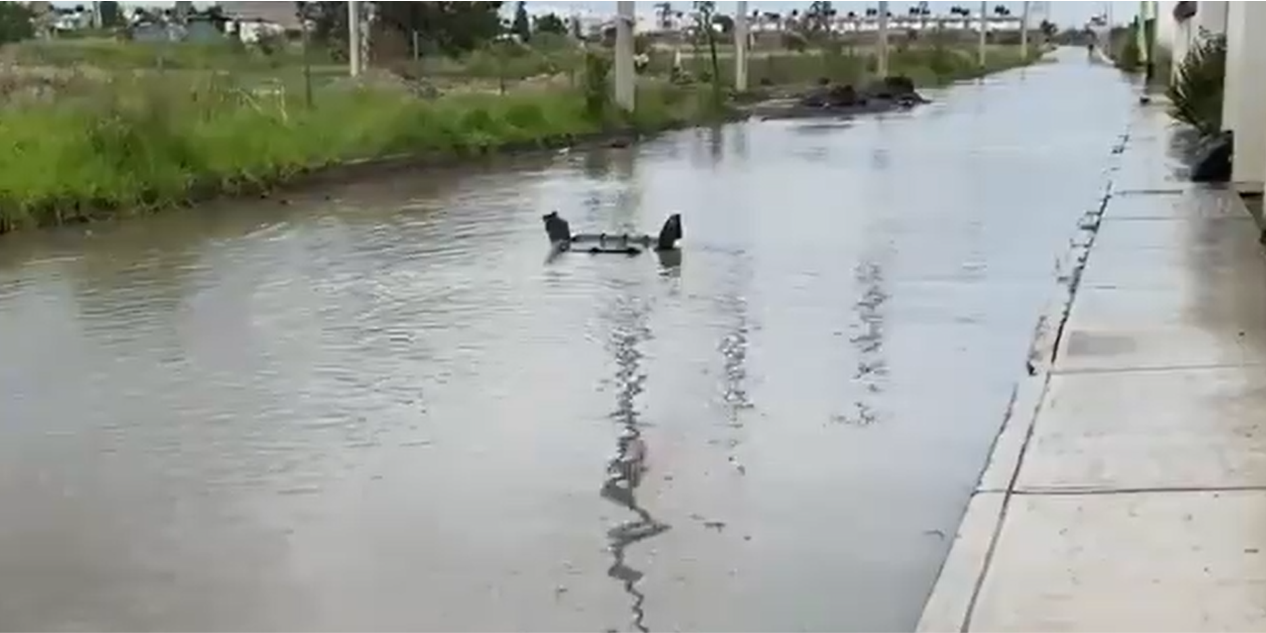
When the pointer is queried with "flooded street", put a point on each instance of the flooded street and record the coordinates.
(381, 408)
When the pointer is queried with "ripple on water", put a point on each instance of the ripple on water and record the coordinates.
(390, 411)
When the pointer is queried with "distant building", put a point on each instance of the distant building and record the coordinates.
(250, 21)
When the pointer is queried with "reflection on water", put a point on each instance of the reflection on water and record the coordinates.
(872, 367)
(625, 470)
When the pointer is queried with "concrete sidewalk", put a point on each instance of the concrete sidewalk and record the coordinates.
(1127, 491)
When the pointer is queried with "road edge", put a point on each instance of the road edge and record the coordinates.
(952, 599)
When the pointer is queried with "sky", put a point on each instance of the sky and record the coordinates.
(1062, 12)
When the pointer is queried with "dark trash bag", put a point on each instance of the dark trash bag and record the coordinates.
(1213, 159)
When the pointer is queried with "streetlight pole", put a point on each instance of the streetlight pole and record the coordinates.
(625, 72)
(740, 47)
(1024, 33)
(883, 40)
(353, 37)
(984, 33)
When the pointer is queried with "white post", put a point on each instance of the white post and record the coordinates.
(1024, 32)
(740, 47)
(353, 37)
(625, 72)
(369, 15)
(984, 34)
(883, 40)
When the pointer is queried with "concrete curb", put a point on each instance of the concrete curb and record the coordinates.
(953, 596)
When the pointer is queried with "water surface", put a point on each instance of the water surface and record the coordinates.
(380, 407)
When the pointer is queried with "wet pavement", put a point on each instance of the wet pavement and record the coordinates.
(1133, 500)
(387, 410)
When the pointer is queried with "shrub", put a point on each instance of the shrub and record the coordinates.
(1196, 91)
(596, 85)
(1128, 56)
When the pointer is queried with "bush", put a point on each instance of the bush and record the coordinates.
(597, 85)
(1128, 56)
(1196, 91)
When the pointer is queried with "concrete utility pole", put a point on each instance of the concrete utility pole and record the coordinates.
(883, 40)
(625, 72)
(1024, 33)
(353, 37)
(984, 33)
(740, 47)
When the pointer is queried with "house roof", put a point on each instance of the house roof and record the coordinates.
(280, 13)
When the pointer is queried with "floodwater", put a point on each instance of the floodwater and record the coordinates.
(381, 407)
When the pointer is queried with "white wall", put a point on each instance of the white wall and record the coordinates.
(1184, 36)
(1250, 162)
(1235, 42)
(1246, 94)
(1212, 17)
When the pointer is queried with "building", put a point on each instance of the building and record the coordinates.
(253, 20)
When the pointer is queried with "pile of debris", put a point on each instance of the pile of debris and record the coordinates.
(888, 93)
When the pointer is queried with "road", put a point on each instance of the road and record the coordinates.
(380, 407)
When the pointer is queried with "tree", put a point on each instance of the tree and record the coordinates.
(705, 13)
(110, 16)
(522, 25)
(184, 8)
(664, 12)
(550, 23)
(453, 27)
(819, 16)
(329, 21)
(15, 22)
(723, 22)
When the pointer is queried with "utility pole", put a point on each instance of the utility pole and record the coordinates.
(353, 37)
(883, 40)
(984, 34)
(625, 72)
(740, 47)
(1024, 33)
(307, 59)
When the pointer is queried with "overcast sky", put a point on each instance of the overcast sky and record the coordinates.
(1063, 12)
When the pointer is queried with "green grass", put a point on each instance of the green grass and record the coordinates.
(137, 144)
(112, 54)
(87, 143)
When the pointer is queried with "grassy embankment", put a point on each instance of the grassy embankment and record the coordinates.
(150, 127)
